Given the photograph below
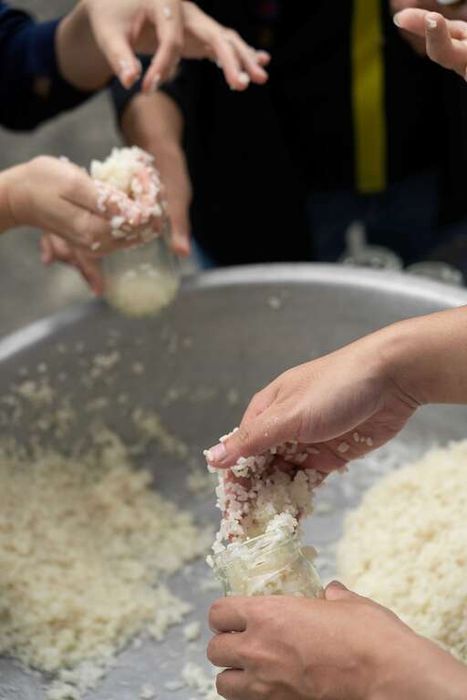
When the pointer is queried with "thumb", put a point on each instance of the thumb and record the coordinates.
(258, 435)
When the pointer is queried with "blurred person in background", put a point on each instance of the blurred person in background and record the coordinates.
(49, 67)
(354, 125)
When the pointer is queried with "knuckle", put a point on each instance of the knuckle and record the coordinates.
(243, 435)
(212, 649)
(260, 689)
(173, 44)
(42, 161)
(222, 684)
(214, 611)
(72, 182)
(83, 227)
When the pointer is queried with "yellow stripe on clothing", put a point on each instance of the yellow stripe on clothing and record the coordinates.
(368, 96)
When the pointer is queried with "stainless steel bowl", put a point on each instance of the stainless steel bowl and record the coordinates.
(228, 334)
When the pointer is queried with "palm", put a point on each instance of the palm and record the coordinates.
(371, 433)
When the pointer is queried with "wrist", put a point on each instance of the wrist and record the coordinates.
(7, 183)
(419, 670)
(425, 357)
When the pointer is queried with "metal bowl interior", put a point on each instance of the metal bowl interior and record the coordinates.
(228, 334)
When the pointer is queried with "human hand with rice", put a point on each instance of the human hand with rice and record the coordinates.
(344, 647)
(347, 403)
(76, 213)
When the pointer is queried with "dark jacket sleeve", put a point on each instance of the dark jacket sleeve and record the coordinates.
(31, 88)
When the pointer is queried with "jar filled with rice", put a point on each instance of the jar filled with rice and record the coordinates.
(143, 277)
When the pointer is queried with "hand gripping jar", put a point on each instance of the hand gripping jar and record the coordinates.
(270, 564)
(141, 280)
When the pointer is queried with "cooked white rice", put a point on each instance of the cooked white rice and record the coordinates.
(406, 546)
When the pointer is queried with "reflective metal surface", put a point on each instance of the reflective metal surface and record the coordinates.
(228, 334)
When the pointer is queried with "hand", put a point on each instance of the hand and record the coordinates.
(55, 249)
(60, 197)
(206, 38)
(101, 37)
(445, 41)
(342, 648)
(155, 123)
(343, 405)
(203, 37)
(355, 399)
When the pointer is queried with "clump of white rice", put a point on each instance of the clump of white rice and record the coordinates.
(139, 281)
(130, 187)
(405, 546)
(254, 492)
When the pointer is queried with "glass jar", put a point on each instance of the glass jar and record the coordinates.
(439, 271)
(268, 565)
(141, 280)
(359, 253)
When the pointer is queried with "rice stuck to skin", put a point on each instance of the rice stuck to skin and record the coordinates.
(86, 546)
(130, 187)
(252, 493)
(406, 546)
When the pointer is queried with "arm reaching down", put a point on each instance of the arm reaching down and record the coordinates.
(359, 397)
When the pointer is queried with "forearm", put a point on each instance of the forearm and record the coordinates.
(79, 59)
(154, 123)
(420, 670)
(427, 356)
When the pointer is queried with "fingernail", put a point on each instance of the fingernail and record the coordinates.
(431, 22)
(127, 73)
(216, 453)
(396, 20)
(244, 78)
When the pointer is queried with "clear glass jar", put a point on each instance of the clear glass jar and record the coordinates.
(359, 253)
(141, 280)
(268, 565)
(439, 271)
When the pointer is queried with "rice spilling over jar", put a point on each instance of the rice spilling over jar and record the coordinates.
(129, 186)
(406, 546)
(262, 506)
